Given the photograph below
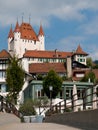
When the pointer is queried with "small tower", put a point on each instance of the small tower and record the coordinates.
(17, 32)
(41, 38)
(79, 55)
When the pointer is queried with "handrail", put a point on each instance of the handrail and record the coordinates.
(69, 105)
(8, 107)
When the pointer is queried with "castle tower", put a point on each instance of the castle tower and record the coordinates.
(24, 38)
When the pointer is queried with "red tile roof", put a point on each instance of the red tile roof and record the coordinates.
(46, 67)
(46, 54)
(80, 51)
(85, 71)
(27, 32)
(4, 54)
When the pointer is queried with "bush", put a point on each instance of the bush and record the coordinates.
(27, 108)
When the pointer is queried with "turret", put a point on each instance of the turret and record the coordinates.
(41, 38)
(11, 34)
(17, 32)
(79, 55)
(10, 38)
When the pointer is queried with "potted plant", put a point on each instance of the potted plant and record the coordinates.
(28, 111)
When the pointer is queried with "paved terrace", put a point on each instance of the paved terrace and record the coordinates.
(11, 122)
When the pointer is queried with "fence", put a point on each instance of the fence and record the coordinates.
(89, 100)
(8, 107)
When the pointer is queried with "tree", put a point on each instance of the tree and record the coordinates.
(89, 62)
(52, 79)
(14, 78)
(90, 76)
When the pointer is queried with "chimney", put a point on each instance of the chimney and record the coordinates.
(56, 54)
(69, 66)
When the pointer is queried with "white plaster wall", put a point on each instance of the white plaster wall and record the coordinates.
(25, 64)
(42, 42)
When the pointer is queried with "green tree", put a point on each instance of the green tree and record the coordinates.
(52, 79)
(89, 62)
(14, 78)
(90, 76)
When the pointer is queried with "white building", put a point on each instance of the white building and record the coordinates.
(24, 38)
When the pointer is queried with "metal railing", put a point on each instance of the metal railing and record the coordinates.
(89, 100)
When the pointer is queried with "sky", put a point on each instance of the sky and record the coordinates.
(66, 23)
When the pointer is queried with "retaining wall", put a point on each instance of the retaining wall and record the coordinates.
(88, 120)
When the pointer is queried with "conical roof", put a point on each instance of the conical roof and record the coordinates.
(80, 51)
(41, 32)
(17, 28)
(10, 35)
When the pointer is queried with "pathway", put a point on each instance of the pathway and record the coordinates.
(11, 122)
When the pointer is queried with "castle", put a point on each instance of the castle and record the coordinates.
(29, 46)
(24, 38)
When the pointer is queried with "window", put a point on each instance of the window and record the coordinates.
(81, 60)
(3, 88)
(34, 42)
(79, 93)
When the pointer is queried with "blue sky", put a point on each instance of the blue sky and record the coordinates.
(66, 23)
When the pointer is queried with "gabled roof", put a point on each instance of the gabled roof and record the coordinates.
(27, 32)
(80, 51)
(11, 34)
(46, 54)
(4, 54)
(46, 67)
(41, 32)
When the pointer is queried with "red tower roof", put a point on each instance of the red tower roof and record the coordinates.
(41, 32)
(17, 28)
(80, 51)
(10, 35)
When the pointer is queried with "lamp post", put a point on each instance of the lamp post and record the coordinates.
(50, 88)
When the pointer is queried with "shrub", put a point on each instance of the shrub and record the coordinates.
(27, 108)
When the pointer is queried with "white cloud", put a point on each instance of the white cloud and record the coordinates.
(42, 10)
(70, 43)
(94, 53)
(90, 28)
